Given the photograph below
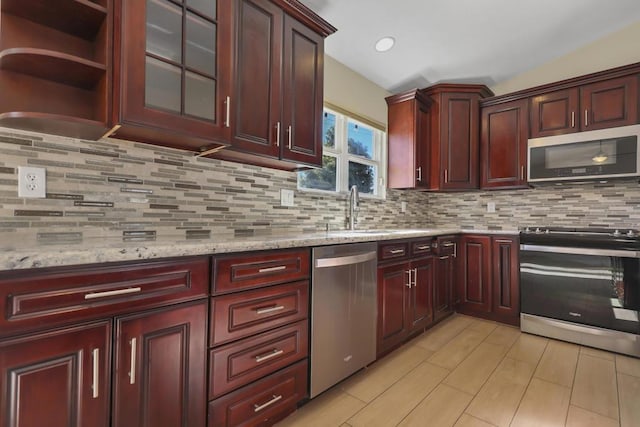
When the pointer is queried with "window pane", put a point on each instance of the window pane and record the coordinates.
(360, 140)
(164, 29)
(320, 179)
(200, 96)
(329, 130)
(201, 45)
(364, 176)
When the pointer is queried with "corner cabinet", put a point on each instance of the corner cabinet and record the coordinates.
(55, 66)
(275, 109)
(503, 145)
(408, 140)
(172, 72)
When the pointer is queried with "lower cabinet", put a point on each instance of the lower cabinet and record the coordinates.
(64, 377)
(405, 298)
(488, 283)
(444, 295)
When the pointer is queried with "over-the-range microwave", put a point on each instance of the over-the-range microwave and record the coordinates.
(593, 155)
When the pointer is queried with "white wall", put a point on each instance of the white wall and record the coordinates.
(351, 91)
(617, 49)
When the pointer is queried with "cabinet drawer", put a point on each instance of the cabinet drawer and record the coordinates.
(237, 364)
(238, 272)
(394, 250)
(262, 403)
(447, 246)
(56, 296)
(239, 315)
(421, 247)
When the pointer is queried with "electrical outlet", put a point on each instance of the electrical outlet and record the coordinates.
(491, 207)
(32, 182)
(286, 197)
(403, 207)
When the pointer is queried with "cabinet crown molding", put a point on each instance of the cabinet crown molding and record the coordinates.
(307, 16)
(416, 94)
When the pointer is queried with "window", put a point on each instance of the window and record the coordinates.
(353, 154)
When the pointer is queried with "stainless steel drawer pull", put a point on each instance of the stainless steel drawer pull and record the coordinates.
(271, 269)
(444, 257)
(423, 247)
(132, 372)
(95, 385)
(266, 310)
(273, 353)
(258, 408)
(396, 251)
(115, 292)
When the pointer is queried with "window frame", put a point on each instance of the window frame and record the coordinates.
(341, 152)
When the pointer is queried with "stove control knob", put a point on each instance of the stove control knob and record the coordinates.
(546, 231)
(631, 233)
(526, 230)
(617, 233)
(538, 230)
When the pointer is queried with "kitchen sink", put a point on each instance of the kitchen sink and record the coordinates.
(380, 232)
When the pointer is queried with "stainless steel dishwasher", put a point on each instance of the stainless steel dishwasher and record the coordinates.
(343, 312)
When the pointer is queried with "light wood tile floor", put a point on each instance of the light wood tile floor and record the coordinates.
(470, 372)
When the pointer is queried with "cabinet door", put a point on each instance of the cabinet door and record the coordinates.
(393, 286)
(476, 274)
(506, 279)
(255, 103)
(421, 295)
(459, 140)
(609, 103)
(160, 377)
(58, 378)
(443, 287)
(303, 93)
(174, 68)
(555, 113)
(503, 145)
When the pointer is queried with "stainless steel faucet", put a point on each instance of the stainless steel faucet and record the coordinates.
(354, 207)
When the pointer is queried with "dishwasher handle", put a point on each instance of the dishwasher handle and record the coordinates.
(346, 260)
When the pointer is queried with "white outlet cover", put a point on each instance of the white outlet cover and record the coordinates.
(32, 182)
(286, 197)
(403, 207)
(491, 207)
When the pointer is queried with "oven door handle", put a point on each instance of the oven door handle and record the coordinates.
(581, 251)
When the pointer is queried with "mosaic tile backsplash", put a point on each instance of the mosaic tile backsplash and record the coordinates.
(133, 191)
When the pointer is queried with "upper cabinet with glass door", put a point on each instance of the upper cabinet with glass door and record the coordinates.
(173, 72)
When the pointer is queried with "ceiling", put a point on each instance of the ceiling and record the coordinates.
(465, 41)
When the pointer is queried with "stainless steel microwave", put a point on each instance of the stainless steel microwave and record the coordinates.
(593, 155)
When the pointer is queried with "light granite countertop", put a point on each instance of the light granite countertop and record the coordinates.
(20, 255)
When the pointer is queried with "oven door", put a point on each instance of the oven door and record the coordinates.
(588, 286)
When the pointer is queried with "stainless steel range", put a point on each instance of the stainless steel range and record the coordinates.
(582, 285)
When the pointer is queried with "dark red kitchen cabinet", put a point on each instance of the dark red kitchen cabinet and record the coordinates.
(160, 368)
(57, 378)
(506, 279)
(444, 285)
(555, 113)
(503, 145)
(475, 277)
(421, 296)
(393, 288)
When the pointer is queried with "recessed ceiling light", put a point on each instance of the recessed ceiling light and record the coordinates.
(385, 43)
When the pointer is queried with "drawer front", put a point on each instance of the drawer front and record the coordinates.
(56, 296)
(397, 250)
(238, 272)
(421, 247)
(242, 362)
(447, 246)
(264, 402)
(242, 314)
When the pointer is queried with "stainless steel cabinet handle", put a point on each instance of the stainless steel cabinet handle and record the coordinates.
(227, 104)
(95, 377)
(396, 251)
(132, 371)
(258, 408)
(455, 248)
(573, 119)
(289, 132)
(423, 247)
(114, 292)
(271, 269)
(444, 257)
(581, 251)
(269, 309)
(586, 118)
(415, 277)
(446, 176)
(408, 284)
(419, 173)
(278, 134)
(273, 353)
(522, 172)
